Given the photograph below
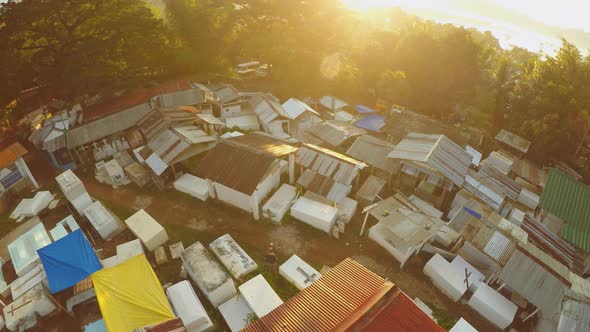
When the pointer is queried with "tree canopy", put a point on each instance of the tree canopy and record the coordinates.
(80, 47)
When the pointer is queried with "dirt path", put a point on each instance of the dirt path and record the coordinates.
(213, 219)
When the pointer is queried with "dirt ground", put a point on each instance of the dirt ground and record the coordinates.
(206, 221)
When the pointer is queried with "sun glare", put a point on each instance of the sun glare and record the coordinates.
(364, 5)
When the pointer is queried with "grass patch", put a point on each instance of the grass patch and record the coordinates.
(281, 286)
(169, 272)
(119, 210)
(178, 196)
(187, 235)
(443, 318)
(6, 224)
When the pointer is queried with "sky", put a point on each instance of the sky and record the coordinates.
(536, 25)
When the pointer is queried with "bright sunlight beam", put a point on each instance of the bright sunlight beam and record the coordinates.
(365, 5)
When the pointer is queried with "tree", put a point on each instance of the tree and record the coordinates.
(393, 87)
(551, 104)
(81, 46)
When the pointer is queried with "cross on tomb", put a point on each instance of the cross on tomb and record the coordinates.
(13, 309)
(467, 275)
(308, 278)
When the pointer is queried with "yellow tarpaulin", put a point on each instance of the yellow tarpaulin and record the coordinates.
(130, 296)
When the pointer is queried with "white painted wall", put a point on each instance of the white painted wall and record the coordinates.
(233, 197)
(230, 110)
(250, 204)
(270, 182)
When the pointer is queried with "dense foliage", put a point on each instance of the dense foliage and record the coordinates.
(316, 47)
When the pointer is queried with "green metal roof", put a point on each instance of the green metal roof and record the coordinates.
(569, 199)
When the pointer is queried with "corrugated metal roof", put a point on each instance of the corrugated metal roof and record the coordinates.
(401, 315)
(181, 98)
(131, 100)
(295, 107)
(332, 103)
(575, 317)
(334, 154)
(509, 186)
(348, 297)
(475, 155)
(325, 303)
(328, 163)
(491, 242)
(320, 185)
(11, 154)
(484, 190)
(338, 191)
(167, 145)
(267, 108)
(567, 169)
(384, 207)
(437, 151)
(236, 168)
(335, 132)
(569, 200)
(314, 182)
(534, 282)
(580, 285)
(162, 118)
(527, 169)
(513, 140)
(497, 247)
(371, 188)
(210, 119)
(546, 260)
(416, 228)
(264, 143)
(372, 151)
(553, 245)
(193, 135)
(227, 94)
(173, 325)
(106, 126)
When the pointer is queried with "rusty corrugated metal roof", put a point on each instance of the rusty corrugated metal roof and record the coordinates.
(485, 238)
(325, 303)
(11, 154)
(131, 99)
(400, 314)
(173, 325)
(347, 298)
(233, 167)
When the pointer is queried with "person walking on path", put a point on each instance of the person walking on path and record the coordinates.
(270, 259)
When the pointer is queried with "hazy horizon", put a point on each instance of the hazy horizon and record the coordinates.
(534, 25)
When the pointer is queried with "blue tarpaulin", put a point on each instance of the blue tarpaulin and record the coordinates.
(362, 109)
(473, 213)
(371, 122)
(68, 261)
